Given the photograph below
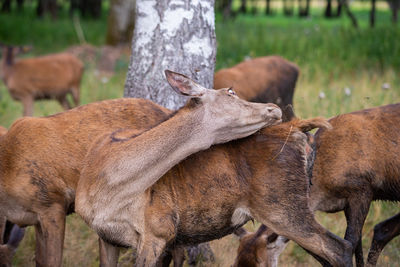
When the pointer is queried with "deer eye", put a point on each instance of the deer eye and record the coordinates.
(231, 92)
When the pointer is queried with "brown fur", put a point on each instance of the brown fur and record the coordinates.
(46, 77)
(357, 162)
(260, 248)
(270, 79)
(41, 158)
(207, 195)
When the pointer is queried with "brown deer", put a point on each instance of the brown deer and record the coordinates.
(41, 158)
(270, 79)
(46, 77)
(357, 162)
(11, 235)
(205, 197)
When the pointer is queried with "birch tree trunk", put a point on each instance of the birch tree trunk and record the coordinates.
(178, 35)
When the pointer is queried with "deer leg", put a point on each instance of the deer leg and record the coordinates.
(178, 255)
(50, 237)
(301, 227)
(150, 250)
(165, 259)
(383, 233)
(27, 103)
(75, 95)
(108, 254)
(64, 102)
(356, 212)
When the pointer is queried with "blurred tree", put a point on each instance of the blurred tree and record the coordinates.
(304, 9)
(225, 7)
(179, 37)
(121, 21)
(329, 9)
(288, 7)
(6, 5)
(47, 7)
(372, 14)
(394, 6)
(87, 8)
(91, 8)
(268, 10)
(242, 8)
(345, 5)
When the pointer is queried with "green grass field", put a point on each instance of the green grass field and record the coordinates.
(334, 59)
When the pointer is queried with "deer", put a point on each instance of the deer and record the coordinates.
(356, 163)
(270, 79)
(206, 196)
(41, 158)
(46, 77)
(261, 248)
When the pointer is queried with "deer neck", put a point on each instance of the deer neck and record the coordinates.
(148, 156)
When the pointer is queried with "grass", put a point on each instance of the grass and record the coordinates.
(334, 59)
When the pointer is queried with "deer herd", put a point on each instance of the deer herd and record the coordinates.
(157, 180)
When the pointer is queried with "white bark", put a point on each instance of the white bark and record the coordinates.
(178, 35)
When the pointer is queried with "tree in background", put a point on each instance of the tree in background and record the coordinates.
(121, 22)
(225, 7)
(46, 7)
(394, 6)
(6, 5)
(288, 7)
(87, 8)
(179, 36)
(304, 8)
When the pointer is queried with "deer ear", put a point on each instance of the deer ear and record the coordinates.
(240, 232)
(184, 85)
(288, 113)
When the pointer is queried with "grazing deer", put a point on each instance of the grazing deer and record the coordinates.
(205, 197)
(46, 77)
(357, 162)
(41, 158)
(270, 79)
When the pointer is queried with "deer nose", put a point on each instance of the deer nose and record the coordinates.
(274, 111)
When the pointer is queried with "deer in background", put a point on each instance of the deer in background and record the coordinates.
(41, 158)
(270, 79)
(46, 77)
